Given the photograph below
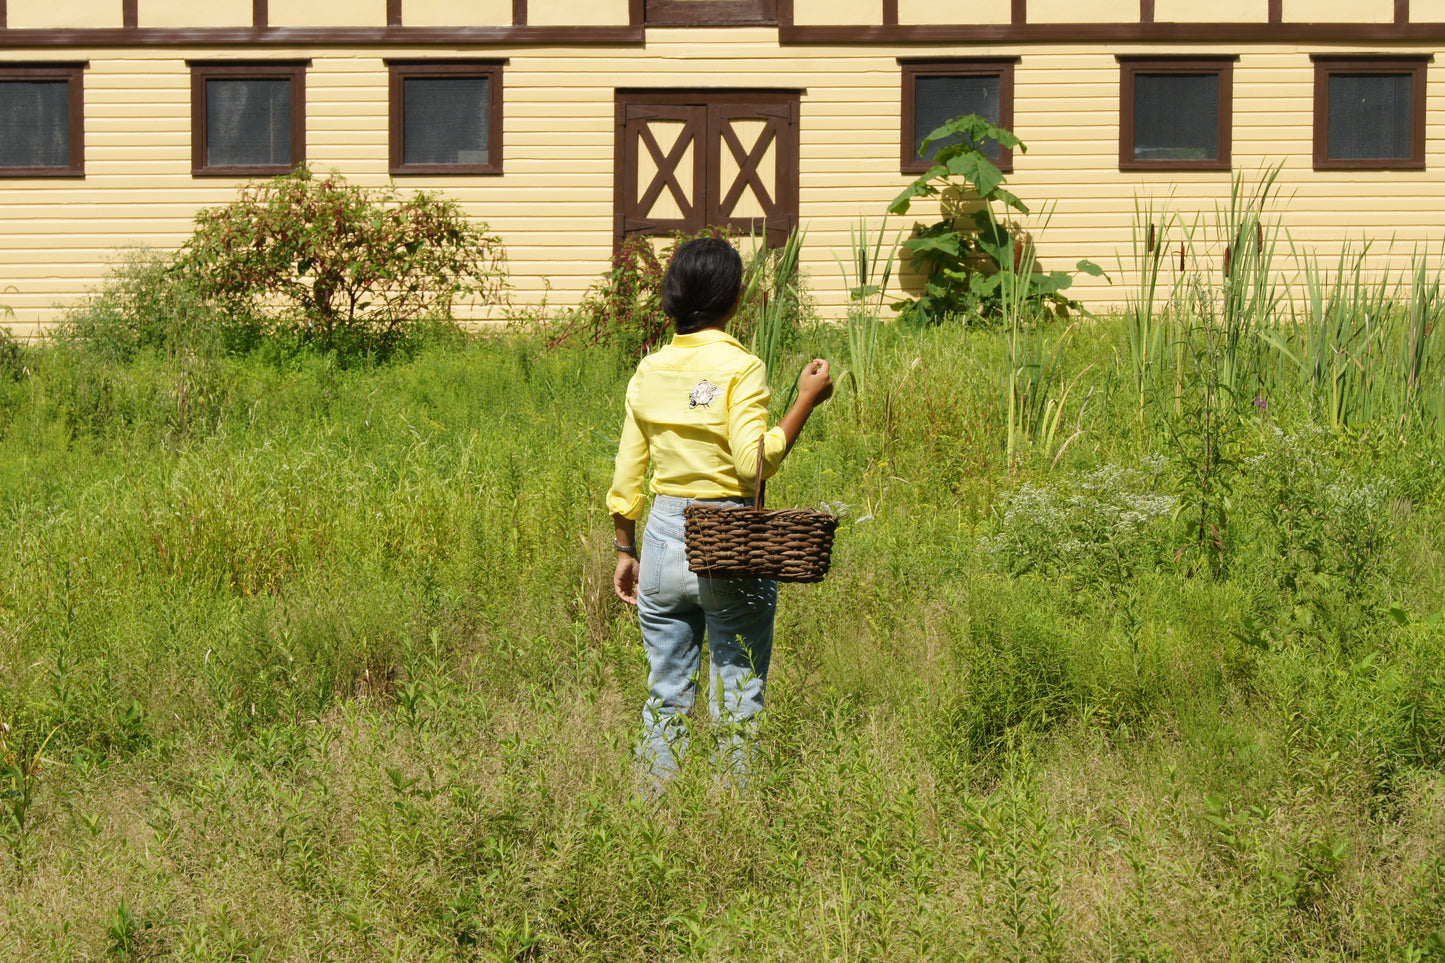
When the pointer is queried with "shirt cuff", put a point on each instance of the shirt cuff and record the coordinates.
(619, 504)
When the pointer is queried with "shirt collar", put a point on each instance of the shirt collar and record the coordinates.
(706, 336)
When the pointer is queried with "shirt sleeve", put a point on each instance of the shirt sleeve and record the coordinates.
(747, 420)
(626, 498)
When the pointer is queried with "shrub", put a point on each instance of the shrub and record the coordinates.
(1105, 525)
(148, 304)
(623, 310)
(12, 356)
(344, 268)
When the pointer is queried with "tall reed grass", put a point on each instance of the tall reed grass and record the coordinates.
(303, 662)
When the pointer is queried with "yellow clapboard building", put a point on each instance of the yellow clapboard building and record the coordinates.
(568, 124)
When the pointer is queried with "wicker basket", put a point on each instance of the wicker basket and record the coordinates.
(789, 545)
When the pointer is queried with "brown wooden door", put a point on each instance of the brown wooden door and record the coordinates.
(690, 159)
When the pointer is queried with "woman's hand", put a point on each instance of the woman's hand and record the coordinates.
(816, 382)
(815, 386)
(624, 580)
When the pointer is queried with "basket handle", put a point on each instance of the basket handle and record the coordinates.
(762, 484)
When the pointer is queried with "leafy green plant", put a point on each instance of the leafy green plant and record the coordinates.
(973, 262)
(12, 356)
(624, 308)
(1204, 436)
(146, 304)
(20, 759)
(1105, 525)
(345, 268)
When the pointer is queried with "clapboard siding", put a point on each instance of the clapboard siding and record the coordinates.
(553, 204)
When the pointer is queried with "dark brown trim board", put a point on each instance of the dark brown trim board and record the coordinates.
(1019, 11)
(1276, 11)
(1131, 68)
(393, 13)
(330, 36)
(1146, 11)
(73, 75)
(890, 12)
(709, 12)
(202, 71)
(130, 13)
(1402, 11)
(912, 70)
(519, 13)
(260, 13)
(1328, 65)
(402, 70)
(1157, 32)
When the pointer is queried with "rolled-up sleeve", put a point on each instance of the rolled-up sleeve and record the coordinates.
(748, 421)
(626, 498)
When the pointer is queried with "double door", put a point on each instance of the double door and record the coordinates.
(687, 160)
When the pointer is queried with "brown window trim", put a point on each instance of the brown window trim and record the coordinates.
(73, 73)
(698, 13)
(1328, 64)
(1130, 67)
(401, 69)
(1003, 67)
(203, 70)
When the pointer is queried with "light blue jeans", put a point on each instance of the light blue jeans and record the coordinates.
(676, 607)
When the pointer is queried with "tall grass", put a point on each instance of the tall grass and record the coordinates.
(1350, 343)
(773, 275)
(867, 286)
(302, 661)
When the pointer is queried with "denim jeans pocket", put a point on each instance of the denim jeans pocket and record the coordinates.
(655, 557)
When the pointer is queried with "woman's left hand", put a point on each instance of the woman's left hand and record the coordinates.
(624, 580)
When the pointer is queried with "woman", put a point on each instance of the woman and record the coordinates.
(697, 410)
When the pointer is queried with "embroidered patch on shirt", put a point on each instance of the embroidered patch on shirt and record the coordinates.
(704, 393)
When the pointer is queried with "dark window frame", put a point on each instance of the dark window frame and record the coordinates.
(401, 70)
(74, 76)
(203, 71)
(1001, 67)
(1222, 67)
(1328, 65)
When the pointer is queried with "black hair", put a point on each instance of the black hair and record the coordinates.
(702, 283)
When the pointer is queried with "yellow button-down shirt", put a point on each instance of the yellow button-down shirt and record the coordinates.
(695, 409)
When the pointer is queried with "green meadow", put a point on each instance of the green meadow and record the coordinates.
(1124, 656)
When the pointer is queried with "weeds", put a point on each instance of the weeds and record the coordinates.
(324, 670)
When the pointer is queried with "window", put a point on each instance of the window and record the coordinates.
(446, 117)
(936, 91)
(42, 120)
(247, 119)
(1370, 113)
(1174, 114)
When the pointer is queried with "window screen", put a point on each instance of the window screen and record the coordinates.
(1370, 116)
(248, 122)
(446, 120)
(940, 99)
(1176, 117)
(34, 123)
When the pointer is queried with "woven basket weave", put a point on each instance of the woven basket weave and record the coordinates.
(788, 545)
